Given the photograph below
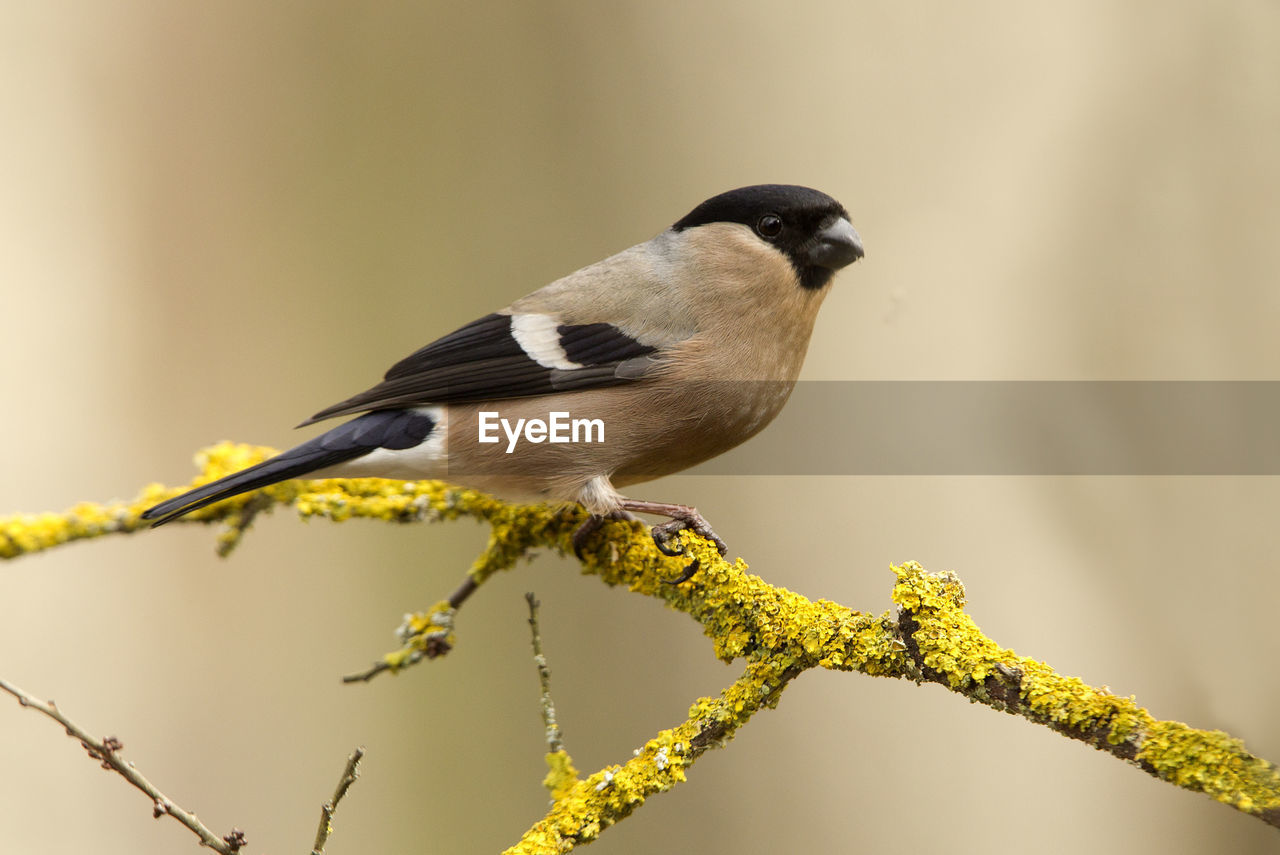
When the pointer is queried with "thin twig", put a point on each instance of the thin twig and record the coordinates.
(367, 674)
(327, 810)
(427, 645)
(108, 752)
(555, 741)
(465, 590)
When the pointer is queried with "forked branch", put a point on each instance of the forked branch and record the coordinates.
(780, 634)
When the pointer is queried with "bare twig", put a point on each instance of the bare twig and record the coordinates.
(367, 674)
(327, 810)
(108, 752)
(465, 590)
(555, 740)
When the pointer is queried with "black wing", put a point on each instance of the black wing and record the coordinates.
(485, 361)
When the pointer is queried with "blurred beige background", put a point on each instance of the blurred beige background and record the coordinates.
(216, 219)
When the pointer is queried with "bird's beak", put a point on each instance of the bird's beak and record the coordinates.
(836, 245)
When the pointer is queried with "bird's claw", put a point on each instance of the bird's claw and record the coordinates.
(665, 533)
(685, 575)
(683, 518)
(583, 532)
(590, 526)
(662, 538)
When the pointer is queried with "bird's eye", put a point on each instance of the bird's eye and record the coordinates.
(769, 226)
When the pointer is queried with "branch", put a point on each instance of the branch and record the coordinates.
(555, 739)
(780, 634)
(329, 808)
(562, 777)
(611, 794)
(108, 751)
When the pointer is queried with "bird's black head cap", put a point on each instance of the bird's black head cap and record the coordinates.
(801, 222)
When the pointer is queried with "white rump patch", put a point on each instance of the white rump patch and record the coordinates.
(536, 334)
(427, 459)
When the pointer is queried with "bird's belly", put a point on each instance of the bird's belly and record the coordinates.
(549, 448)
(704, 421)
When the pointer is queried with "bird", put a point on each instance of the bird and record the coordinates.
(637, 366)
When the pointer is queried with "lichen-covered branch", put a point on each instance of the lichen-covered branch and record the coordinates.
(561, 774)
(780, 634)
(582, 811)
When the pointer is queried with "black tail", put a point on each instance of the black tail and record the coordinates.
(395, 429)
(291, 464)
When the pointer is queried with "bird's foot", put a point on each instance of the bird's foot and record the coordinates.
(683, 518)
(593, 524)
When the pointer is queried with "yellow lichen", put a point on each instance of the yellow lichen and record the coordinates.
(779, 633)
(1213, 763)
(561, 775)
